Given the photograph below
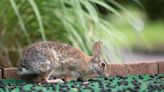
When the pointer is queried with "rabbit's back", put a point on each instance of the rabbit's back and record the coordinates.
(46, 55)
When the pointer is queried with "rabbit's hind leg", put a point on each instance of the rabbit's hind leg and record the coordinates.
(54, 80)
(48, 80)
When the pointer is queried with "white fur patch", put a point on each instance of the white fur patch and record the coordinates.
(24, 72)
(48, 62)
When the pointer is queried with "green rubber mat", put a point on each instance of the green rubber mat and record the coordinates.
(132, 83)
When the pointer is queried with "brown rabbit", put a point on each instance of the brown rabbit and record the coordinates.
(51, 59)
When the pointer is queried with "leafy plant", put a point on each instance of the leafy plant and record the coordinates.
(77, 22)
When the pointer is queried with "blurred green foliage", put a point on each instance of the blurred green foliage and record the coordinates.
(154, 9)
(76, 22)
(151, 35)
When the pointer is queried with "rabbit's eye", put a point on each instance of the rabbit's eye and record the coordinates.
(102, 64)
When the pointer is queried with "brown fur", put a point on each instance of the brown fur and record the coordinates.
(65, 62)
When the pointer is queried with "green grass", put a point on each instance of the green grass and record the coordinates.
(139, 30)
(151, 35)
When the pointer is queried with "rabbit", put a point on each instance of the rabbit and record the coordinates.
(50, 60)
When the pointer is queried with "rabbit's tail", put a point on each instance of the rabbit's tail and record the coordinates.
(24, 71)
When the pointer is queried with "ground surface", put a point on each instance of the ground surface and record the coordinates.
(133, 83)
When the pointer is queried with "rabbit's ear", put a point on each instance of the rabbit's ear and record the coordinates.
(97, 48)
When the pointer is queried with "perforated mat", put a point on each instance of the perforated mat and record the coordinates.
(132, 83)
